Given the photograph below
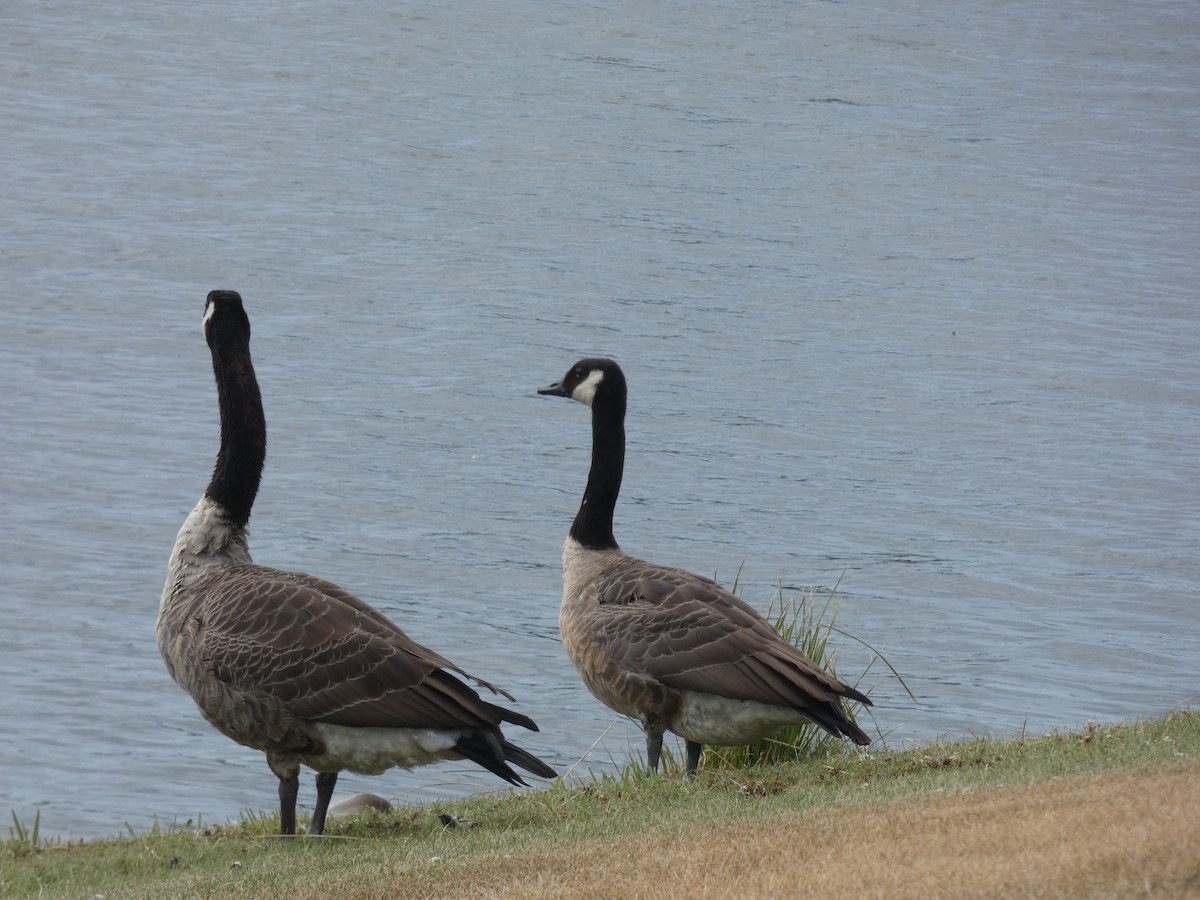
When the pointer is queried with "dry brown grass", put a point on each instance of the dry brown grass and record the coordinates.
(1117, 835)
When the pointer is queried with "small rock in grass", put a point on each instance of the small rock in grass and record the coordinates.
(358, 803)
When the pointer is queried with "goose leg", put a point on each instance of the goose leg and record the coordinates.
(693, 758)
(288, 789)
(287, 770)
(654, 741)
(325, 783)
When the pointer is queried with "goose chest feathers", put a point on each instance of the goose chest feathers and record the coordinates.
(675, 651)
(294, 665)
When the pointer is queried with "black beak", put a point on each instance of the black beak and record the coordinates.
(555, 390)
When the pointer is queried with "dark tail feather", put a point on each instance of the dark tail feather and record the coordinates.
(508, 715)
(847, 727)
(833, 718)
(851, 694)
(855, 734)
(526, 760)
(490, 750)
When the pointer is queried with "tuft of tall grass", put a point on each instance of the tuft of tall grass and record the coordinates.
(25, 838)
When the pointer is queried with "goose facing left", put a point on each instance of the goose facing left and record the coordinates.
(294, 665)
(673, 650)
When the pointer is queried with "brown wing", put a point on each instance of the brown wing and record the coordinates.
(329, 657)
(692, 634)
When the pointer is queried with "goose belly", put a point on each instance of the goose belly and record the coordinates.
(371, 751)
(709, 719)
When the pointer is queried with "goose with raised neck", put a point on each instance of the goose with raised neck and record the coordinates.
(293, 665)
(668, 648)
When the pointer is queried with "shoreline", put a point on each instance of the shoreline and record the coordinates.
(1099, 812)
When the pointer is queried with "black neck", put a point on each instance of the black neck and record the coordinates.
(593, 525)
(239, 466)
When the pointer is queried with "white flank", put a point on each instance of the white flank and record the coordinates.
(709, 719)
(372, 751)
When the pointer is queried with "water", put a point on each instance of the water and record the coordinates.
(906, 297)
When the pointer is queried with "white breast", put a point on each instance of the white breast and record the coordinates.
(205, 541)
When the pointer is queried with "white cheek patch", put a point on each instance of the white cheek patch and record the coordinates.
(209, 309)
(585, 391)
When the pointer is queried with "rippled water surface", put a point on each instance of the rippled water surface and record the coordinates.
(906, 296)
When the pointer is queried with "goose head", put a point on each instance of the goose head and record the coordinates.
(225, 320)
(590, 381)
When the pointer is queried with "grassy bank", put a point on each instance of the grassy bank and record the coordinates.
(1103, 812)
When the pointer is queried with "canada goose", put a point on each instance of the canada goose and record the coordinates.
(673, 650)
(293, 665)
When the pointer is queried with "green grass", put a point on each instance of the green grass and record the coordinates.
(248, 859)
